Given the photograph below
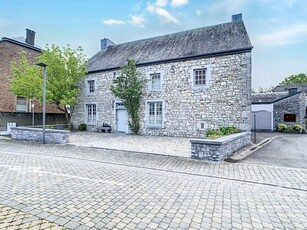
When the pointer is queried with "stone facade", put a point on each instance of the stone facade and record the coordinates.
(36, 134)
(187, 111)
(219, 149)
(295, 104)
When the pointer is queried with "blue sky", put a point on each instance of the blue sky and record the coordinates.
(277, 28)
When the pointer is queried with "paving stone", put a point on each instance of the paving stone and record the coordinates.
(146, 191)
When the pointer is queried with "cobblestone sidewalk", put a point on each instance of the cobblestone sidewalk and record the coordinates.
(271, 175)
(90, 188)
(13, 219)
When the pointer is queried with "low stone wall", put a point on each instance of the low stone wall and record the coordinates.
(36, 134)
(219, 149)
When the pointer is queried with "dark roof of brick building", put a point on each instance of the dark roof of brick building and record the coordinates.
(21, 41)
(207, 41)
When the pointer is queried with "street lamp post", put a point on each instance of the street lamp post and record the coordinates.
(41, 64)
(33, 124)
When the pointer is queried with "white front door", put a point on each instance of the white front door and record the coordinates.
(122, 120)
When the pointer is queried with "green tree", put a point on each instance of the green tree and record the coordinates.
(295, 79)
(129, 87)
(26, 80)
(65, 67)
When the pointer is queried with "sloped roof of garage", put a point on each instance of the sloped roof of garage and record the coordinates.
(299, 87)
(269, 98)
(207, 41)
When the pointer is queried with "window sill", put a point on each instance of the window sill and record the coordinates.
(154, 127)
(200, 87)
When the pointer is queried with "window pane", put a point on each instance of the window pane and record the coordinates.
(91, 113)
(91, 86)
(155, 113)
(199, 77)
(155, 81)
(289, 117)
(21, 104)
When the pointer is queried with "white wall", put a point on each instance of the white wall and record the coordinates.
(264, 107)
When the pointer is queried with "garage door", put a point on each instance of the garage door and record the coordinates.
(262, 120)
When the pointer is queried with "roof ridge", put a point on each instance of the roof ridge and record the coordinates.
(176, 33)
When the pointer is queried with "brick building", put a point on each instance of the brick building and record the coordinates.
(10, 49)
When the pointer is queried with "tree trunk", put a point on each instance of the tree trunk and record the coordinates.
(67, 116)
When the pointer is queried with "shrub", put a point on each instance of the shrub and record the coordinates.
(82, 127)
(281, 127)
(223, 131)
(226, 130)
(213, 133)
(297, 128)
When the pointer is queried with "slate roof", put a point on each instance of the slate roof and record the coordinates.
(212, 40)
(22, 42)
(268, 97)
(281, 88)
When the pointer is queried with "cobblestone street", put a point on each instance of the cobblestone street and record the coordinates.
(90, 188)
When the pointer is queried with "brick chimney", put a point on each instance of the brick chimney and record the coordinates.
(30, 38)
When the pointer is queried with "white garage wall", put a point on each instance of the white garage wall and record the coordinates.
(264, 107)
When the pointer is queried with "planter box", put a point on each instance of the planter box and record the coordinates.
(219, 149)
(52, 136)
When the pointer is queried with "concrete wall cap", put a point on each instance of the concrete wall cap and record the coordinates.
(221, 140)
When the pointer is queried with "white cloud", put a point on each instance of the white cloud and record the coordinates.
(176, 3)
(167, 17)
(138, 20)
(284, 36)
(114, 22)
(199, 12)
(161, 3)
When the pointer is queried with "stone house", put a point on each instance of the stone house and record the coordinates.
(197, 80)
(12, 108)
(286, 104)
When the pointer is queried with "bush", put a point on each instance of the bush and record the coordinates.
(82, 127)
(213, 133)
(226, 130)
(223, 131)
(281, 127)
(297, 128)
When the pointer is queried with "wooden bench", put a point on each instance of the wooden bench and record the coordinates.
(104, 129)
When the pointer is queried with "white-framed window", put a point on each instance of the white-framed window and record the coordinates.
(155, 81)
(91, 86)
(21, 104)
(154, 113)
(200, 76)
(91, 113)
